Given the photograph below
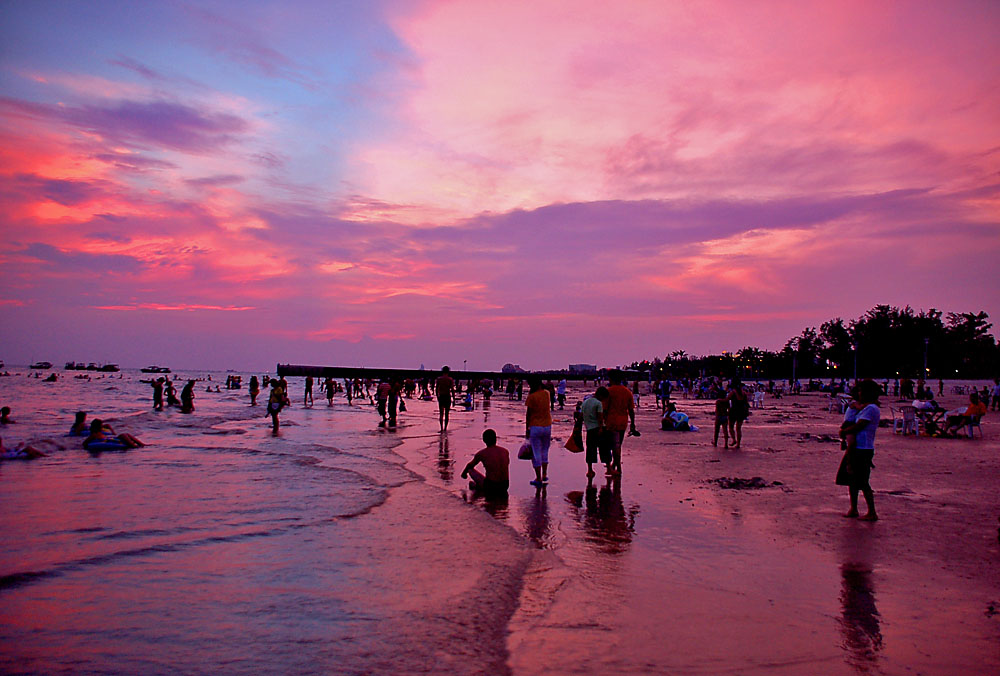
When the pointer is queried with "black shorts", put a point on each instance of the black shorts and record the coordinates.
(592, 445)
(495, 488)
(444, 402)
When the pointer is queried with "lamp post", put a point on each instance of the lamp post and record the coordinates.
(855, 363)
(927, 342)
(464, 364)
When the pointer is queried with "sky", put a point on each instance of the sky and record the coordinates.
(387, 183)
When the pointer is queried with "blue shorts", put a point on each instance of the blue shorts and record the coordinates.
(540, 439)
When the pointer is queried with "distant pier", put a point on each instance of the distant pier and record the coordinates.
(300, 370)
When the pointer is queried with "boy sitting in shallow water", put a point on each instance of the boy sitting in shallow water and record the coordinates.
(496, 462)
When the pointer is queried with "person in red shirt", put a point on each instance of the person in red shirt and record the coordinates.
(619, 416)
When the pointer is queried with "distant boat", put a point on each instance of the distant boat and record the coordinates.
(41, 365)
(108, 368)
(75, 366)
(155, 369)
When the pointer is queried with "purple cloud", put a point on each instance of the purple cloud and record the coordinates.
(156, 124)
(68, 192)
(213, 181)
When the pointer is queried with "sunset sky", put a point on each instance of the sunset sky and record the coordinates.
(234, 184)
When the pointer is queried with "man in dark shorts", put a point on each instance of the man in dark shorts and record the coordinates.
(619, 416)
(593, 420)
(444, 388)
(496, 462)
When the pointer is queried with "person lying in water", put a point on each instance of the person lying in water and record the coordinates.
(496, 462)
(20, 452)
(102, 434)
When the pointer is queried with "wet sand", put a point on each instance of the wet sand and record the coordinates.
(342, 547)
(664, 571)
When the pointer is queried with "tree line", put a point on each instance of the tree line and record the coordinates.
(885, 342)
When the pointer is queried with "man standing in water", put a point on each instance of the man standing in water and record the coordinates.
(444, 388)
(619, 416)
(158, 394)
(307, 398)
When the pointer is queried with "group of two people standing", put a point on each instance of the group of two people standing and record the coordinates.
(607, 416)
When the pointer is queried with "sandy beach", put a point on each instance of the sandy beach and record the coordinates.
(341, 547)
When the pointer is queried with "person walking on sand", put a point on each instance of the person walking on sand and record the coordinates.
(860, 458)
(721, 420)
(619, 416)
(538, 429)
(444, 388)
(496, 463)
(382, 400)
(592, 411)
(561, 393)
(739, 410)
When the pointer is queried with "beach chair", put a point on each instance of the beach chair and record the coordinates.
(974, 425)
(906, 422)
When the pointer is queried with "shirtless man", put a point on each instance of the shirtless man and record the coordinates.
(496, 462)
(445, 386)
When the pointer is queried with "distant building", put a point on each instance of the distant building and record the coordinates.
(583, 368)
(512, 368)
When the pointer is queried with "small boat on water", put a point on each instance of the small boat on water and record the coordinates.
(92, 366)
(41, 365)
(155, 369)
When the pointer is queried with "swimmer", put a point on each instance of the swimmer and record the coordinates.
(496, 462)
(79, 428)
(101, 433)
(5, 418)
(23, 452)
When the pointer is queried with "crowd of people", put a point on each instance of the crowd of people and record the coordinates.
(602, 420)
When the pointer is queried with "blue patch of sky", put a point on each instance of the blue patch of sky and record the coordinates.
(321, 75)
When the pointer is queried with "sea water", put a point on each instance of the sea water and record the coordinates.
(221, 548)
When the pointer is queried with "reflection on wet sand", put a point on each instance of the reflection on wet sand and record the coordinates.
(536, 519)
(445, 463)
(860, 620)
(608, 525)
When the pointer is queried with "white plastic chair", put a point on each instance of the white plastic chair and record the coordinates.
(974, 425)
(758, 399)
(906, 422)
